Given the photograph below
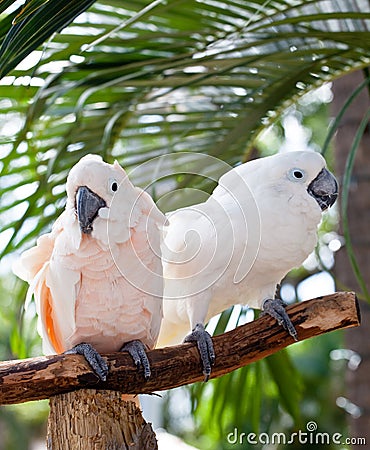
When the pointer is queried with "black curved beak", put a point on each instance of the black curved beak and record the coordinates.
(87, 206)
(324, 189)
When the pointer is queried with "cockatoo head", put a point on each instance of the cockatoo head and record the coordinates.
(293, 177)
(91, 186)
(298, 177)
(307, 170)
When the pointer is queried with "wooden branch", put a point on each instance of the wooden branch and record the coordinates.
(43, 377)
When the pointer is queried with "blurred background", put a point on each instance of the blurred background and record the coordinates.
(133, 81)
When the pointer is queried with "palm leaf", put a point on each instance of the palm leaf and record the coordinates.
(170, 77)
(32, 25)
(289, 382)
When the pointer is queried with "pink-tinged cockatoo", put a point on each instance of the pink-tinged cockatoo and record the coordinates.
(97, 276)
(259, 223)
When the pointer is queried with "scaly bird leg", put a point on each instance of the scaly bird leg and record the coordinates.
(276, 309)
(205, 347)
(137, 351)
(96, 362)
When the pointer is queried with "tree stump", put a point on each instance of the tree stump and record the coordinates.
(91, 419)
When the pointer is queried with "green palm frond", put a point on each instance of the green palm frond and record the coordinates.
(136, 81)
(32, 24)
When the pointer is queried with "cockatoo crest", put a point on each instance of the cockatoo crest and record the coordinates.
(122, 203)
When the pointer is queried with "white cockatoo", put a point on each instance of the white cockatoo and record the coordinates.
(259, 223)
(97, 276)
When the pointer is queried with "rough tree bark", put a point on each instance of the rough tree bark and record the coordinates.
(97, 420)
(357, 381)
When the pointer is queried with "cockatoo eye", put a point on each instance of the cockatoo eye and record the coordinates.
(113, 185)
(297, 175)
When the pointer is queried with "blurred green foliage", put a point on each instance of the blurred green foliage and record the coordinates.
(19, 424)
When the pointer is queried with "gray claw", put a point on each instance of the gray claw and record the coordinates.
(138, 354)
(205, 347)
(96, 362)
(276, 309)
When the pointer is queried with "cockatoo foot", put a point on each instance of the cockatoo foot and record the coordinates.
(96, 362)
(276, 309)
(205, 347)
(138, 354)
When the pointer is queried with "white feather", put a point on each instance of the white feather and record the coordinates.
(237, 246)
